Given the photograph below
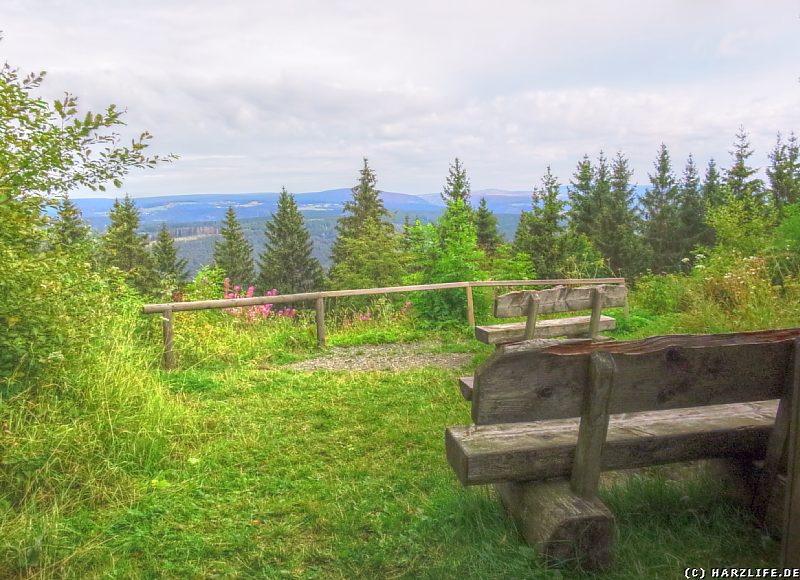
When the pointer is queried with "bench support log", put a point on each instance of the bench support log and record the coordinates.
(560, 525)
(594, 426)
(740, 479)
(533, 312)
(778, 446)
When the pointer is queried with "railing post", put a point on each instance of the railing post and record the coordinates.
(166, 326)
(320, 309)
(470, 307)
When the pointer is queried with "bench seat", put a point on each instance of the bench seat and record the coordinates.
(545, 449)
(515, 331)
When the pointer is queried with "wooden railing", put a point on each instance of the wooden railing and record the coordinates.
(167, 309)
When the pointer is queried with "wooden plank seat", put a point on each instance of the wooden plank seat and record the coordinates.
(533, 303)
(515, 331)
(541, 450)
(549, 416)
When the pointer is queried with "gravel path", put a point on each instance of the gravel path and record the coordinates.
(383, 357)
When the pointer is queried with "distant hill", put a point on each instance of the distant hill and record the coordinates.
(194, 220)
(174, 209)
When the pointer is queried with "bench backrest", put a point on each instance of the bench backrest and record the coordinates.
(546, 379)
(559, 299)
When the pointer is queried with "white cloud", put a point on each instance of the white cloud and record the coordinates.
(255, 95)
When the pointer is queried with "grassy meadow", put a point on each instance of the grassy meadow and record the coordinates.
(236, 465)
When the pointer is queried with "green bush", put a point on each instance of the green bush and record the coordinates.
(661, 294)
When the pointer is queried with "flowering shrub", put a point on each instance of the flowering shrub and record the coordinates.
(258, 311)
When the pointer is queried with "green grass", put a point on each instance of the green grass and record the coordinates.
(232, 466)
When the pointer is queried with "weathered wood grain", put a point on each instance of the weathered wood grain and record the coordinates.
(774, 460)
(560, 525)
(593, 426)
(526, 382)
(790, 545)
(546, 449)
(466, 385)
(515, 331)
(558, 299)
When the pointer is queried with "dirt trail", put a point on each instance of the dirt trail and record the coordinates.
(383, 357)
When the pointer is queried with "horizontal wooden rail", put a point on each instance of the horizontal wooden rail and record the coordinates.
(168, 308)
(286, 298)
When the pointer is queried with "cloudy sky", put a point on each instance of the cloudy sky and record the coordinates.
(255, 95)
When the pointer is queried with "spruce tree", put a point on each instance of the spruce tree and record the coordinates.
(540, 231)
(581, 198)
(69, 229)
(233, 253)
(457, 184)
(693, 231)
(122, 247)
(618, 240)
(661, 213)
(713, 191)
(739, 178)
(486, 227)
(367, 251)
(287, 262)
(165, 258)
(784, 172)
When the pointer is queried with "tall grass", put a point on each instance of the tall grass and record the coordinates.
(86, 441)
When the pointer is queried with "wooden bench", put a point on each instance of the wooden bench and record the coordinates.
(549, 416)
(532, 303)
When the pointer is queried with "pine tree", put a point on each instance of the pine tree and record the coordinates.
(619, 225)
(165, 258)
(784, 172)
(581, 198)
(739, 178)
(713, 192)
(287, 262)
(540, 231)
(69, 228)
(122, 247)
(661, 212)
(367, 251)
(693, 231)
(486, 227)
(233, 253)
(457, 185)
